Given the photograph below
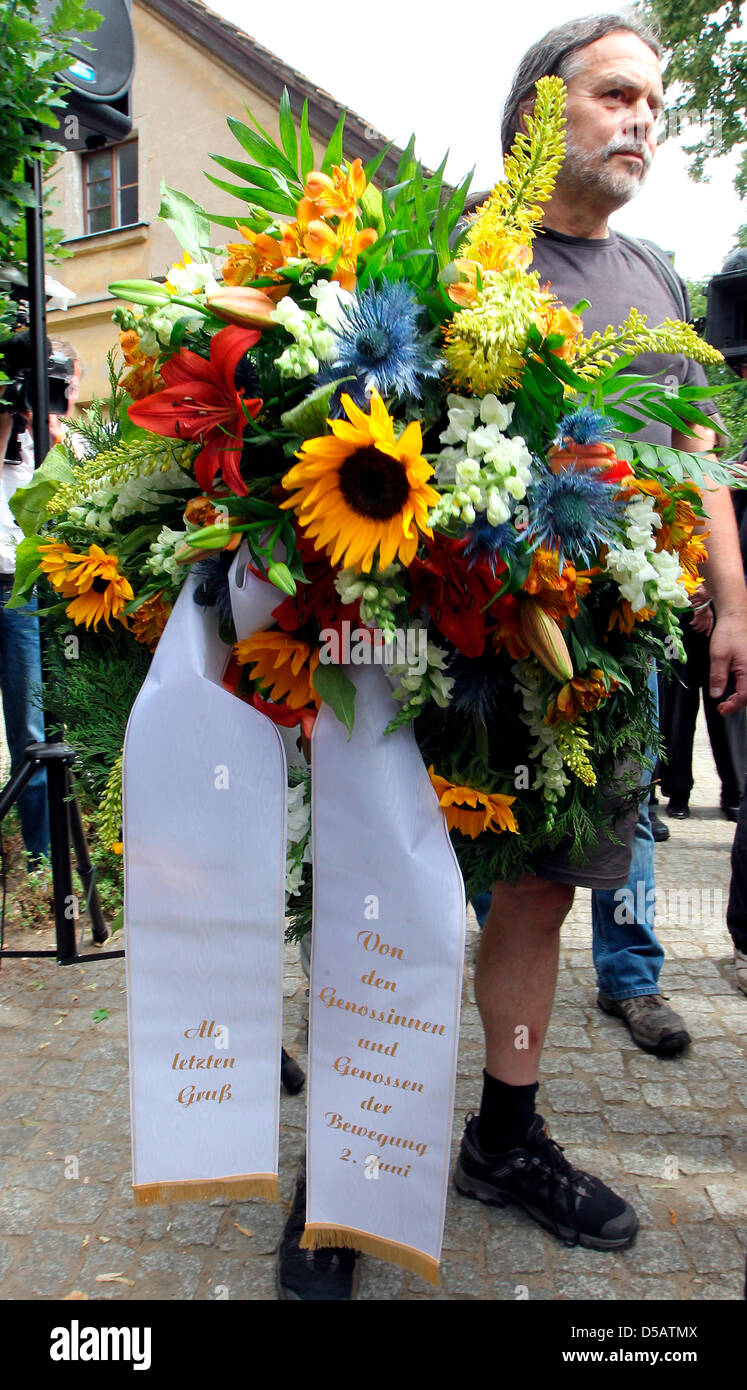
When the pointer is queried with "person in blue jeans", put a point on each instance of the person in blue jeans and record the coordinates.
(626, 951)
(20, 677)
(20, 654)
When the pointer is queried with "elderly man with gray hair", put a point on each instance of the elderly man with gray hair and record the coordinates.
(611, 68)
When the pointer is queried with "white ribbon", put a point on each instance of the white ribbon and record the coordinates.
(387, 951)
(204, 834)
(204, 840)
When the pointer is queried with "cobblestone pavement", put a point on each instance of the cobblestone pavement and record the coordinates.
(633, 1119)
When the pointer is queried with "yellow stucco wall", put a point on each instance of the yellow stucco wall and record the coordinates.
(181, 98)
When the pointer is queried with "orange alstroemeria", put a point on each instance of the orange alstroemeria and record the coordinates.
(557, 592)
(143, 378)
(556, 318)
(321, 242)
(256, 257)
(580, 695)
(623, 618)
(333, 196)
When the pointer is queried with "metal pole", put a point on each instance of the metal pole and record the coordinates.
(37, 313)
(59, 822)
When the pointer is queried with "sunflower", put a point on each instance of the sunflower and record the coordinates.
(94, 582)
(361, 488)
(55, 559)
(472, 811)
(283, 665)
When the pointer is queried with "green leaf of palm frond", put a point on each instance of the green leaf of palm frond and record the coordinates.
(307, 149)
(333, 152)
(288, 129)
(262, 149)
(261, 198)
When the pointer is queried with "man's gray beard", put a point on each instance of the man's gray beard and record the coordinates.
(584, 172)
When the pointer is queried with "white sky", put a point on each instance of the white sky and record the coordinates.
(443, 69)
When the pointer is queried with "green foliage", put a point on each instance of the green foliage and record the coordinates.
(33, 50)
(89, 697)
(414, 219)
(707, 60)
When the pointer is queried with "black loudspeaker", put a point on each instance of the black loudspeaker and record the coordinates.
(726, 323)
(98, 107)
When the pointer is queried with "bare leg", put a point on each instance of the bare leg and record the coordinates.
(517, 969)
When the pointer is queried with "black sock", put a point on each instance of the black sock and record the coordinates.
(506, 1112)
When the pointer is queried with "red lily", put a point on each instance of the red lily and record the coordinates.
(200, 401)
(456, 590)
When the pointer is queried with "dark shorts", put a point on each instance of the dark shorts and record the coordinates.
(605, 864)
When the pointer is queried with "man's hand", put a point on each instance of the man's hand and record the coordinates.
(702, 619)
(729, 653)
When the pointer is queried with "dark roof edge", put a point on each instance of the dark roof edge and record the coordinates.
(269, 74)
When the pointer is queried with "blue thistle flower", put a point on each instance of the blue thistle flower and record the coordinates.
(476, 687)
(491, 543)
(574, 512)
(585, 426)
(382, 339)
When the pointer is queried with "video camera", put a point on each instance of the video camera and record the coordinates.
(15, 394)
(726, 321)
(16, 362)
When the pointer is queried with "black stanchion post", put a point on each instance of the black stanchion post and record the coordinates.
(37, 312)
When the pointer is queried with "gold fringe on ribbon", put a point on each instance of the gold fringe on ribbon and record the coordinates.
(319, 1237)
(203, 1189)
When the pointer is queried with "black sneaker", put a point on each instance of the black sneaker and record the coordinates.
(574, 1206)
(659, 830)
(312, 1275)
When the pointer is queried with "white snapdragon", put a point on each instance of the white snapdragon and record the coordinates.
(549, 777)
(162, 558)
(378, 592)
(331, 302)
(314, 341)
(481, 469)
(417, 682)
(645, 576)
(140, 494)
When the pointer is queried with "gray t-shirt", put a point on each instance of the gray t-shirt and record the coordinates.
(616, 276)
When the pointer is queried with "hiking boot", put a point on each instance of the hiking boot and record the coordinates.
(653, 1026)
(312, 1275)
(740, 970)
(574, 1206)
